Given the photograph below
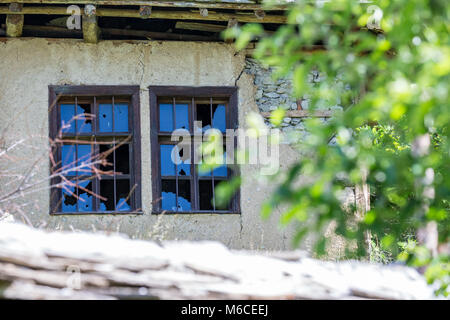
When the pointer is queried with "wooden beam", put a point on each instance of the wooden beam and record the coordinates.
(61, 31)
(241, 5)
(145, 11)
(260, 14)
(231, 24)
(199, 26)
(14, 22)
(91, 31)
(304, 114)
(175, 15)
(157, 35)
(52, 31)
(203, 12)
(305, 50)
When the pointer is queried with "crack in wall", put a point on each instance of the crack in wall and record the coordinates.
(239, 76)
(141, 63)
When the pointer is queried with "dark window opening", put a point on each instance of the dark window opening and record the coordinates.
(206, 195)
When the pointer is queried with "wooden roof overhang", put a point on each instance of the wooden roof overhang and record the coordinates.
(198, 20)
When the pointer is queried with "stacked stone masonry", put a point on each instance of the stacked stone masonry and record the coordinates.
(271, 95)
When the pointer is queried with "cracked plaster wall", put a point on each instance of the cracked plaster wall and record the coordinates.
(28, 66)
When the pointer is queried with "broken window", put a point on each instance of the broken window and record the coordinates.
(178, 184)
(96, 142)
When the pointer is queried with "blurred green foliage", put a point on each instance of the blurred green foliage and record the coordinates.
(387, 63)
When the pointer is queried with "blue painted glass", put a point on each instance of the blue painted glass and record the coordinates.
(182, 116)
(123, 195)
(219, 119)
(165, 117)
(183, 167)
(169, 201)
(121, 117)
(68, 159)
(167, 165)
(168, 195)
(184, 204)
(84, 158)
(221, 171)
(105, 118)
(85, 199)
(67, 118)
(202, 173)
(84, 120)
(69, 199)
(122, 205)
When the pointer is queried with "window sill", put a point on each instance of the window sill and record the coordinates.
(97, 213)
(196, 212)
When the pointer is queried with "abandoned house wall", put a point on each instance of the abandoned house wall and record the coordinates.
(28, 66)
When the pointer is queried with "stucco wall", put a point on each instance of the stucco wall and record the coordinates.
(28, 66)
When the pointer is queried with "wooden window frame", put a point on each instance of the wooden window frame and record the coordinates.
(231, 114)
(133, 94)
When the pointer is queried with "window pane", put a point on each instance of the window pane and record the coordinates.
(105, 118)
(221, 171)
(219, 117)
(206, 195)
(84, 197)
(69, 199)
(107, 192)
(165, 117)
(201, 173)
(182, 116)
(107, 153)
(84, 159)
(123, 196)
(120, 117)
(68, 159)
(204, 115)
(84, 120)
(168, 195)
(123, 159)
(167, 165)
(67, 118)
(183, 168)
(184, 195)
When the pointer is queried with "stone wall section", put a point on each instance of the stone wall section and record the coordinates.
(271, 95)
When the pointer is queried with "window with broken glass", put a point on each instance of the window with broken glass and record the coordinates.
(178, 184)
(95, 150)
